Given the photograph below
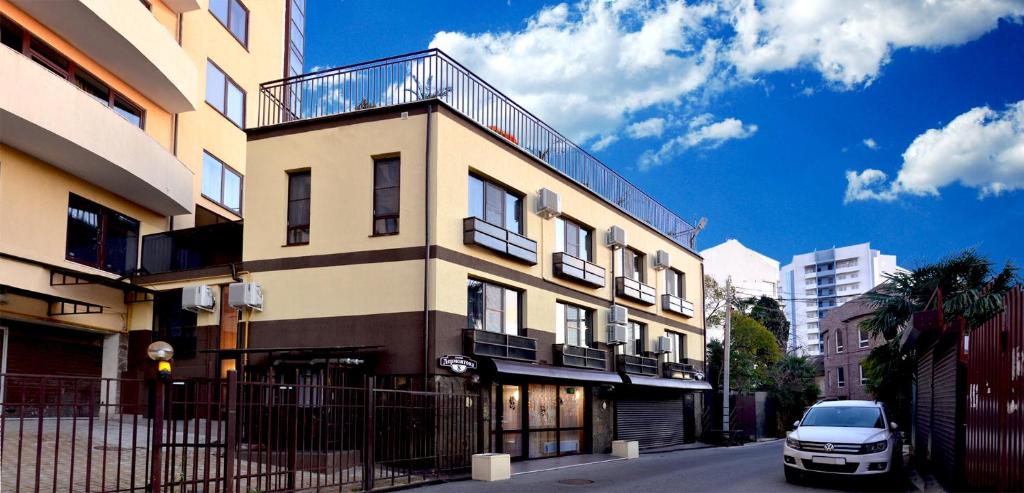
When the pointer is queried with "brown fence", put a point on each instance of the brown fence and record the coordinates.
(66, 434)
(994, 437)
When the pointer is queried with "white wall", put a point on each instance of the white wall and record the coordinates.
(753, 274)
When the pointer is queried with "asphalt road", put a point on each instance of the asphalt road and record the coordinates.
(751, 468)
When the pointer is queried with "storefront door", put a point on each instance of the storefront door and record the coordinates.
(554, 418)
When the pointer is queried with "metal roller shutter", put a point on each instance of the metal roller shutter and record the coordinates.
(923, 411)
(652, 422)
(943, 424)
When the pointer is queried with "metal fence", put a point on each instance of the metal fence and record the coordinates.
(75, 434)
(431, 74)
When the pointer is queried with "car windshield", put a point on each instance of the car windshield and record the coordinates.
(846, 417)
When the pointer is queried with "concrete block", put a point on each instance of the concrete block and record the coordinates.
(629, 449)
(492, 467)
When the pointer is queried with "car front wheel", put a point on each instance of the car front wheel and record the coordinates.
(792, 475)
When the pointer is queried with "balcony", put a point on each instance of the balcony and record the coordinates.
(580, 357)
(45, 116)
(634, 290)
(193, 248)
(476, 231)
(682, 371)
(677, 305)
(498, 345)
(126, 39)
(637, 365)
(575, 269)
(433, 75)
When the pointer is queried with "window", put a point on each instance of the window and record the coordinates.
(493, 308)
(863, 379)
(636, 334)
(234, 16)
(841, 376)
(839, 341)
(298, 207)
(677, 349)
(675, 283)
(864, 339)
(574, 239)
(222, 184)
(224, 95)
(100, 237)
(386, 178)
(496, 205)
(174, 325)
(631, 264)
(573, 325)
(296, 37)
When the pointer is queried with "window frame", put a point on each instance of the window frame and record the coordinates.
(840, 377)
(102, 230)
(863, 342)
(228, 81)
(520, 212)
(226, 23)
(677, 288)
(678, 352)
(519, 330)
(840, 344)
(583, 232)
(586, 317)
(288, 198)
(863, 379)
(639, 260)
(398, 202)
(225, 168)
(639, 341)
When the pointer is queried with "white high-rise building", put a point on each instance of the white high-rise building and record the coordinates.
(753, 274)
(815, 283)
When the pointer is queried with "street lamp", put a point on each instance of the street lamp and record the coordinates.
(161, 352)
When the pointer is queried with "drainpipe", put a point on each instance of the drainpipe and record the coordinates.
(426, 252)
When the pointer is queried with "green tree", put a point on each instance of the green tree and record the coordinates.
(767, 311)
(753, 352)
(793, 387)
(970, 287)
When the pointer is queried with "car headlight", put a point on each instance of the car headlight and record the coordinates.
(793, 443)
(871, 448)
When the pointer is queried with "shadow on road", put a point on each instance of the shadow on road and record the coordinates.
(857, 484)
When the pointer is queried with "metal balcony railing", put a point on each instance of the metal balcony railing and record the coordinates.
(431, 74)
(192, 248)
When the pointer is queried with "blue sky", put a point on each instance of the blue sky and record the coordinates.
(905, 130)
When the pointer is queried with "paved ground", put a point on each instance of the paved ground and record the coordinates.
(752, 468)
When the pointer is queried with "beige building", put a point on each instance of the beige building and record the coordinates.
(120, 121)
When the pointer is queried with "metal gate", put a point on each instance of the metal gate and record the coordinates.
(652, 422)
(70, 434)
(923, 413)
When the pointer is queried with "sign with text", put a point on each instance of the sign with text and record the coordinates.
(457, 363)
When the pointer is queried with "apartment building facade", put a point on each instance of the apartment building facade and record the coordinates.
(815, 283)
(845, 345)
(753, 274)
(119, 120)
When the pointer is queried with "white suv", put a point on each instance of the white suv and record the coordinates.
(843, 438)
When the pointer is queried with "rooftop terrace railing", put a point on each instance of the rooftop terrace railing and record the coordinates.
(431, 74)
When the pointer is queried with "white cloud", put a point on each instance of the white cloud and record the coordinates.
(702, 132)
(847, 41)
(651, 127)
(870, 143)
(981, 148)
(603, 143)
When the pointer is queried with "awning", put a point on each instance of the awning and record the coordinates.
(666, 383)
(556, 372)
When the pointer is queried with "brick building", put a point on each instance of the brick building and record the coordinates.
(846, 346)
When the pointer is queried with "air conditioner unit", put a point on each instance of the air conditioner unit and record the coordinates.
(618, 314)
(662, 260)
(197, 298)
(245, 295)
(616, 237)
(616, 334)
(664, 344)
(549, 204)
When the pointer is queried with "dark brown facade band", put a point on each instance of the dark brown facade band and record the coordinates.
(335, 259)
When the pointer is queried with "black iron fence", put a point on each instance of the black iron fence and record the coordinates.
(432, 74)
(75, 434)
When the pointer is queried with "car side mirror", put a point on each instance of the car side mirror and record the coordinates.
(796, 424)
(893, 425)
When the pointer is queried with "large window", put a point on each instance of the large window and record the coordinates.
(631, 264)
(234, 16)
(222, 184)
(224, 94)
(677, 349)
(574, 239)
(493, 308)
(839, 341)
(865, 338)
(863, 379)
(573, 325)
(841, 373)
(296, 37)
(636, 334)
(298, 207)
(386, 179)
(495, 204)
(100, 237)
(675, 283)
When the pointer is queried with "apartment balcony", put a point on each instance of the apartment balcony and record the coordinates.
(192, 248)
(182, 6)
(514, 246)
(634, 290)
(498, 345)
(676, 305)
(637, 365)
(575, 269)
(126, 39)
(580, 357)
(45, 116)
(682, 371)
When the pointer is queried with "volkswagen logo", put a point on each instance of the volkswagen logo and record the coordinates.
(829, 447)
